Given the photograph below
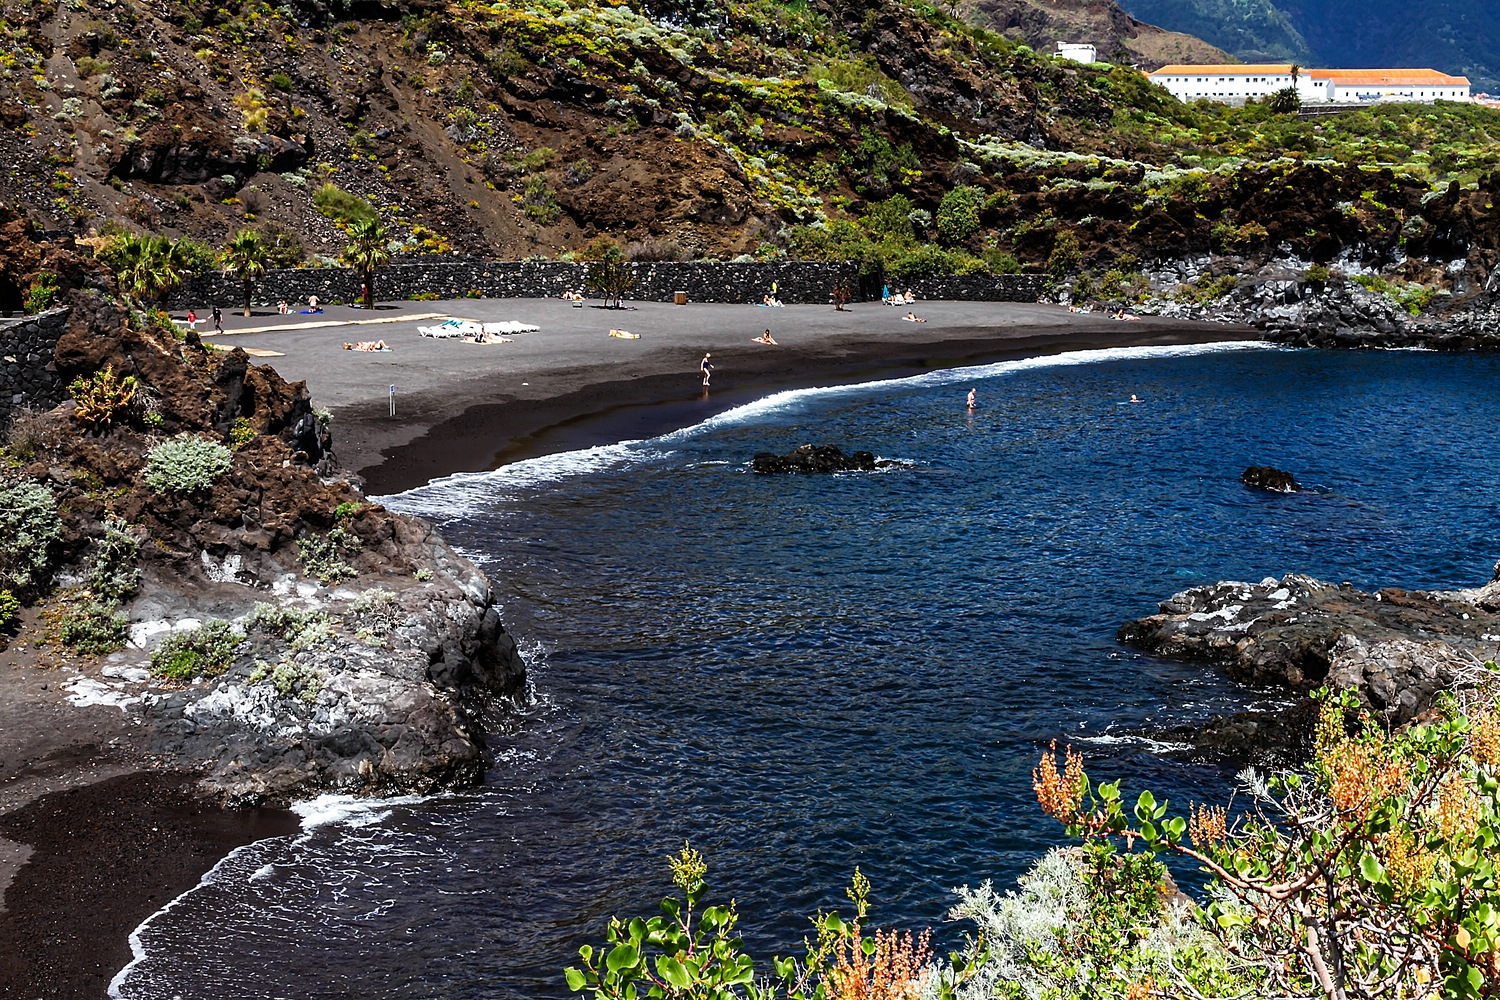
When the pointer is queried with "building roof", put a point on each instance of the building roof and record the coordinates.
(1389, 77)
(1258, 69)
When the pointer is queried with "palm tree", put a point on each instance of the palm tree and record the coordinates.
(146, 266)
(244, 257)
(366, 251)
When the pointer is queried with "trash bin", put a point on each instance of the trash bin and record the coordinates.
(679, 298)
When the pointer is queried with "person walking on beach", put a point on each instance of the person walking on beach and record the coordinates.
(705, 367)
(971, 400)
(218, 320)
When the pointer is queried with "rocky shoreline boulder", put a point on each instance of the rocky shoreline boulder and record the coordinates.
(1395, 649)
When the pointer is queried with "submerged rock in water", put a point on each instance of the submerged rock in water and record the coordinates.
(815, 458)
(1263, 477)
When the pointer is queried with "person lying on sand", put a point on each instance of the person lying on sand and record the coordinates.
(912, 317)
(366, 345)
(624, 334)
(764, 338)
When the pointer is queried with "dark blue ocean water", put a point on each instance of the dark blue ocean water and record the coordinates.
(802, 675)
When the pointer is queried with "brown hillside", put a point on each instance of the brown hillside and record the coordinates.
(1115, 34)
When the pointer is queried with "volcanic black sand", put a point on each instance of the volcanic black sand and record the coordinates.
(466, 407)
(94, 837)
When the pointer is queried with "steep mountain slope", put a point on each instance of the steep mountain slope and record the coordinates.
(1113, 32)
(503, 129)
(1253, 30)
(1455, 36)
(897, 135)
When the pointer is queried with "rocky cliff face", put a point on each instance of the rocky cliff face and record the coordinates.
(353, 649)
(1113, 33)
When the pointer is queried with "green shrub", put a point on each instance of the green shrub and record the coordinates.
(1001, 262)
(958, 214)
(112, 574)
(928, 260)
(298, 629)
(1411, 296)
(94, 629)
(1083, 286)
(1225, 237)
(241, 433)
(538, 202)
(100, 396)
(10, 610)
(539, 159)
(891, 217)
(1318, 274)
(341, 206)
(207, 651)
(1065, 256)
(186, 464)
(348, 509)
(42, 293)
(30, 531)
(323, 555)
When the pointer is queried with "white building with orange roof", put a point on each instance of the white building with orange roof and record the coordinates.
(1369, 86)
(1235, 84)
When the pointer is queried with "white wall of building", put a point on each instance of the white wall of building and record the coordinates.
(1078, 52)
(1235, 88)
(1355, 93)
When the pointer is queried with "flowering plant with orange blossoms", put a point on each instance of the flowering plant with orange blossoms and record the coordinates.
(1372, 874)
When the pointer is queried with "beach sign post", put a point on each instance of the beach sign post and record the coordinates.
(393, 401)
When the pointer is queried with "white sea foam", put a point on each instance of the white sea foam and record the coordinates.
(325, 810)
(349, 810)
(1144, 742)
(441, 498)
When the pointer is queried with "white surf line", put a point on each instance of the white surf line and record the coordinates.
(324, 810)
(325, 323)
(436, 499)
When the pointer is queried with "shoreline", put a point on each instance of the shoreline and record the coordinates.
(87, 855)
(470, 408)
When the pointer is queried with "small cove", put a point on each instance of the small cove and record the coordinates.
(800, 675)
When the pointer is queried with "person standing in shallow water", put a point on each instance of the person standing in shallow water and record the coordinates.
(971, 399)
(705, 367)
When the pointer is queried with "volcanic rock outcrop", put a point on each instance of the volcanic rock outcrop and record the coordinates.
(1395, 649)
(1263, 477)
(814, 458)
(357, 651)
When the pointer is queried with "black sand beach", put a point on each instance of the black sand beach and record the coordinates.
(93, 839)
(465, 407)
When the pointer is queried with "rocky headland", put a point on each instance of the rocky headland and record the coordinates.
(1397, 650)
(270, 629)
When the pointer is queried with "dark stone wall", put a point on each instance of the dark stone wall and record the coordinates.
(27, 346)
(449, 278)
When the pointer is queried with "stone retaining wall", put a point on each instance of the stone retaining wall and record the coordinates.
(27, 346)
(447, 278)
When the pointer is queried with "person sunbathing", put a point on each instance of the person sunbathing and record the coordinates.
(366, 345)
(764, 338)
(912, 317)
